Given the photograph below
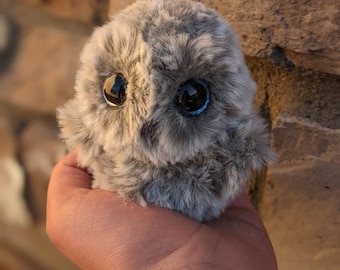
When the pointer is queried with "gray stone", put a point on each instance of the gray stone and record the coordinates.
(4, 33)
(40, 149)
(8, 40)
(13, 208)
(300, 206)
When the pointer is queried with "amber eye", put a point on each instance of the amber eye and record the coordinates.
(193, 97)
(114, 90)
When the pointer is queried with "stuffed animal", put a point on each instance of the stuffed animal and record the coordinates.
(163, 109)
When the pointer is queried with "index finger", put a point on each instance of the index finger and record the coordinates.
(66, 179)
(68, 174)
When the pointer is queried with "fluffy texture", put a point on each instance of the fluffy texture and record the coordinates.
(146, 150)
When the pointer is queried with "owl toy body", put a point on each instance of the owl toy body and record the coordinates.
(163, 111)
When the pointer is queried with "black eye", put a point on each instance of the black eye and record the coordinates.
(114, 90)
(193, 97)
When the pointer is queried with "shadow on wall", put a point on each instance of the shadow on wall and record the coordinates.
(9, 33)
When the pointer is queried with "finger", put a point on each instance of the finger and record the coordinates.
(67, 179)
(68, 175)
(68, 183)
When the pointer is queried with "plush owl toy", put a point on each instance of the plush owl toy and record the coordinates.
(163, 110)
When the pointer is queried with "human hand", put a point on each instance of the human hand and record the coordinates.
(97, 229)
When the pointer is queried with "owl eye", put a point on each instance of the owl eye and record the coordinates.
(114, 90)
(193, 97)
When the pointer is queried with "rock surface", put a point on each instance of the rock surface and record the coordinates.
(306, 33)
(86, 11)
(13, 208)
(301, 197)
(40, 149)
(116, 6)
(30, 249)
(4, 33)
(301, 207)
(7, 40)
(42, 76)
(299, 92)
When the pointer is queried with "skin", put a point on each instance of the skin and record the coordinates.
(97, 229)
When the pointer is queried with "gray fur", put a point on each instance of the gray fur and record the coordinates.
(146, 150)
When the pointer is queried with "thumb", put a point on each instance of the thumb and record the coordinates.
(68, 175)
(67, 179)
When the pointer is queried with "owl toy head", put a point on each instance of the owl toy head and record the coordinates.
(161, 83)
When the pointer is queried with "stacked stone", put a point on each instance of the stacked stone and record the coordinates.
(40, 42)
(291, 47)
(293, 51)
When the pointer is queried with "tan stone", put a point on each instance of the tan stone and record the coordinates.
(13, 208)
(304, 93)
(40, 149)
(117, 5)
(301, 202)
(304, 33)
(43, 74)
(30, 249)
(87, 11)
(307, 31)
(297, 138)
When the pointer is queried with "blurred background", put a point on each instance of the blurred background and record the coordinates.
(293, 51)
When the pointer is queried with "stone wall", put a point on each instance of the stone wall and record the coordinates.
(291, 47)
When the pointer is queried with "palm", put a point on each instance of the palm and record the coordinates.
(98, 230)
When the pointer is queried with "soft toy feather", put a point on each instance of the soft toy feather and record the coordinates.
(163, 110)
